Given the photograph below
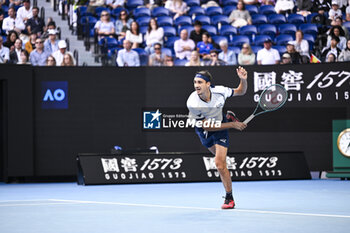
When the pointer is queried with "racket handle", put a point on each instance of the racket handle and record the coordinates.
(248, 119)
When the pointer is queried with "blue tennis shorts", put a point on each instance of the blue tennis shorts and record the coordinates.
(209, 139)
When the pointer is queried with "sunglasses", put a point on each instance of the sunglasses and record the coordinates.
(244, 47)
(214, 55)
(122, 14)
(50, 60)
(156, 48)
(40, 42)
(104, 15)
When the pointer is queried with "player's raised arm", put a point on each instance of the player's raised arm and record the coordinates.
(243, 85)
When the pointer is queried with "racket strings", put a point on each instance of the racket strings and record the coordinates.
(273, 98)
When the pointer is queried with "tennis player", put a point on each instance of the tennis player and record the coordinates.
(206, 104)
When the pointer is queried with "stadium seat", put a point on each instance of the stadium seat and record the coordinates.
(287, 29)
(214, 10)
(253, 9)
(210, 29)
(167, 52)
(82, 11)
(296, 19)
(165, 21)
(183, 20)
(88, 21)
(170, 42)
(235, 49)
(276, 19)
(280, 48)
(229, 2)
(180, 62)
(260, 39)
(169, 31)
(309, 28)
(267, 10)
(204, 19)
(160, 11)
(143, 21)
(256, 49)
(192, 3)
(267, 29)
(143, 56)
(228, 9)
(109, 42)
(132, 4)
(139, 12)
(99, 10)
(115, 12)
(311, 39)
(259, 19)
(310, 16)
(227, 30)
(189, 29)
(283, 39)
(347, 25)
(239, 40)
(143, 29)
(216, 19)
(196, 10)
(248, 30)
(217, 39)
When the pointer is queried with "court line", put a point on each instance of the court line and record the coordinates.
(204, 208)
(38, 204)
(30, 200)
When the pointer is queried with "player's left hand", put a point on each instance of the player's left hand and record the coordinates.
(241, 72)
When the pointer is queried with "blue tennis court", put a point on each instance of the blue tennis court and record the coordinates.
(263, 206)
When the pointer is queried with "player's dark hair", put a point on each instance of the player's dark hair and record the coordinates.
(206, 74)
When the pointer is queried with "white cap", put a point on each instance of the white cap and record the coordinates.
(62, 44)
(335, 3)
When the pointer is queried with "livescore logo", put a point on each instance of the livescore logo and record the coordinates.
(54, 95)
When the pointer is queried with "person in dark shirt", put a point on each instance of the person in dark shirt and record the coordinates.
(295, 56)
(35, 24)
(197, 33)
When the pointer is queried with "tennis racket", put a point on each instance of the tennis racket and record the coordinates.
(271, 99)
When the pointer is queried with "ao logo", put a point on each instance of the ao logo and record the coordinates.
(57, 95)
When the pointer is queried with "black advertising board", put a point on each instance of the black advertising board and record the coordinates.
(188, 167)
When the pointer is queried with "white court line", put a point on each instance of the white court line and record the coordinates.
(38, 204)
(30, 200)
(203, 208)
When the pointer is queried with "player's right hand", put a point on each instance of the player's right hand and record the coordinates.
(238, 125)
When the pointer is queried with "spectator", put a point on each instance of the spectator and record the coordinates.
(184, 46)
(25, 12)
(112, 4)
(67, 60)
(197, 33)
(123, 24)
(334, 12)
(14, 3)
(246, 56)
(295, 56)
(2, 16)
(15, 55)
(339, 22)
(62, 50)
(228, 56)
(204, 47)
(251, 2)
(134, 35)
(169, 61)
(150, 4)
(127, 56)
(304, 7)
(302, 46)
(4, 52)
(347, 12)
(268, 55)
(267, 2)
(50, 25)
(284, 6)
(177, 7)
(24, 58)
(194, 59)
(11, 38)
(345, 54)
(214, 60)
(240, 17)
(331, 58)
(51, 44)
(35, 24)
(153, 35)
(93, 4)
(104, 27)
(30, 45)
(38, 56)
(338, 32)
(342, 4)
(157, 58)
(286, 59)
(12, 23)
(322, 6)
(333, 48)
(50, 61)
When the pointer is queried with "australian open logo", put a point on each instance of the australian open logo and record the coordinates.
(152, 119)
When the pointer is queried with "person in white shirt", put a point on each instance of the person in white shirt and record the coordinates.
(51, 44)
(284, 6)
(104, 27)
(62, 50)
(347, 11)
(153, 35)
(302, 46)
(25, 12)
(184, 46)
(134, 35)
(335, 12)
(12, 23)
(115, 3)
(268, 55)
(178, 7)
(4, 52)
(205, 105)
(127, 56)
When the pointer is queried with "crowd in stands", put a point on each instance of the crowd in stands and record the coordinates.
(27, 39)
(187, 32)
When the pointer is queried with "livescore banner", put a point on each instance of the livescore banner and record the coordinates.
(187, 167)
